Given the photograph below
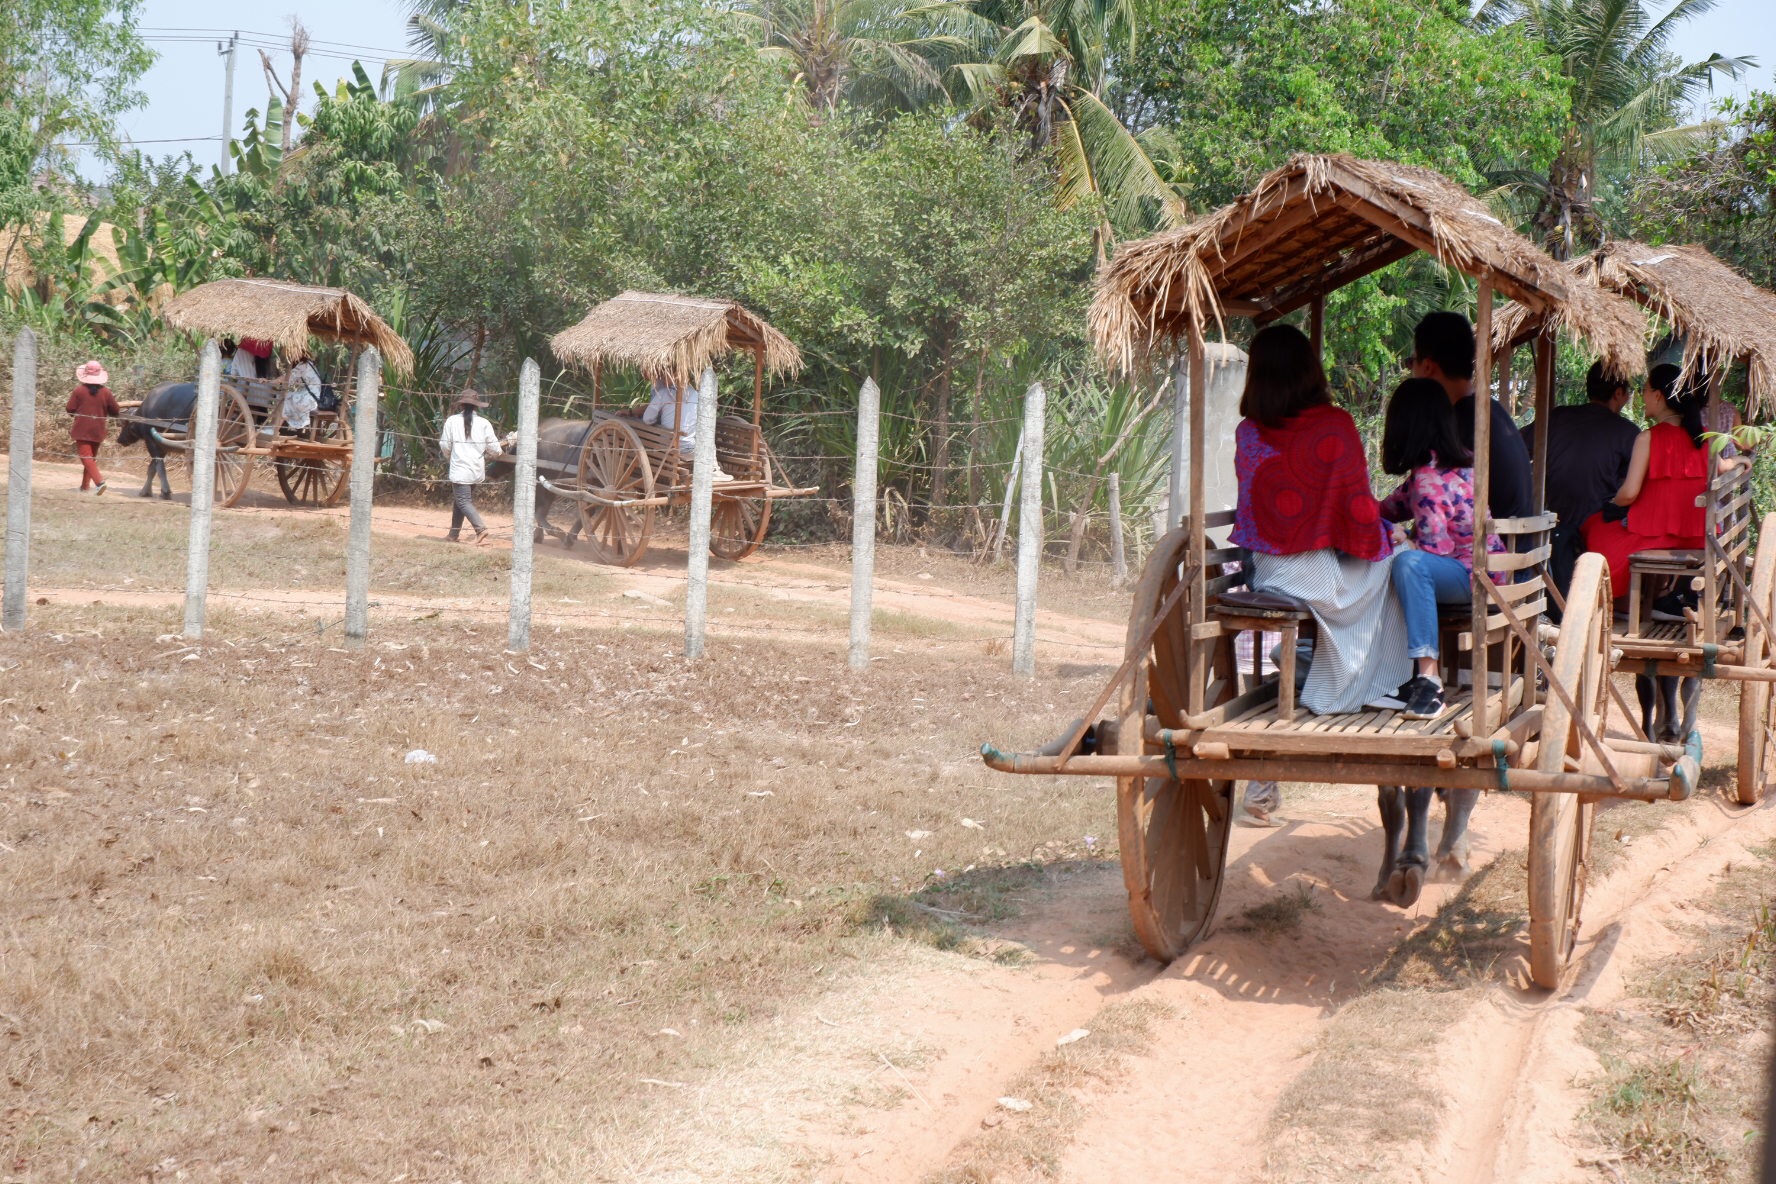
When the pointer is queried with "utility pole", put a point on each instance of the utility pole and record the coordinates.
(227, 51)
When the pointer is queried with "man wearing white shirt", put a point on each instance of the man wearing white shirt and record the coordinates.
(303, 395)
(666, 409)
(467, 442)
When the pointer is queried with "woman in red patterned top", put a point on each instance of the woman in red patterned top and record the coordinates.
(1667, 475)
(91, 405)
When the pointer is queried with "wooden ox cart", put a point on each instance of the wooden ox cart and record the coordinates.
(1179, 723)
(1724, 321)
(310, 463)
(619, 471)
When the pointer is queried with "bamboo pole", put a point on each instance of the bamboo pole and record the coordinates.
(363, 497)
(524, 487)
(18, 479)
(702, 490)
(203, 488)
(1196, 674)
(863, 522)
(1023, 632)
(1175, 487)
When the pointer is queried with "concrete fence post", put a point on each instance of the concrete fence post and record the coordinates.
(1119, 568)
(524, 492)
(702, 490)
(202, 435)
(1030, 538)
(18, 479)
(363, 496)
(863, 522)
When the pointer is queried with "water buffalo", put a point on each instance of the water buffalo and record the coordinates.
(1659, 696)
(167, 407)
(558, 458)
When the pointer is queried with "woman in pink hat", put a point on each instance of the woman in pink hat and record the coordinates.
(91, 405)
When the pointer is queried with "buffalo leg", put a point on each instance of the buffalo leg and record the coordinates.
(1407, 878)
(1390, 800)
(1647, 691)
(1453, 855)
(1692, 699)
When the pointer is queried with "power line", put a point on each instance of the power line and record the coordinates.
(282, 39)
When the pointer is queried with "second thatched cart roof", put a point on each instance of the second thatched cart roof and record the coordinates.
(675, 337)
(285, 314)
(1314, 225)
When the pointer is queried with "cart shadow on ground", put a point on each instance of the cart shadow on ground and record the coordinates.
(1295, 924)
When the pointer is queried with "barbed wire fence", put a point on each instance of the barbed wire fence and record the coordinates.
(867, 505)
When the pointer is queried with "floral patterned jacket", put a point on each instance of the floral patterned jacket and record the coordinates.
(1440, 505)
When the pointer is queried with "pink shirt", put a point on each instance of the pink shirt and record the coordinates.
(1440, 504)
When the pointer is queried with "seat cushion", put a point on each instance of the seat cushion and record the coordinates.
(1667, 558)
(1252, 603)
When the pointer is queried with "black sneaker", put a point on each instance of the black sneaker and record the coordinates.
(1671, 606)
(1426, 700)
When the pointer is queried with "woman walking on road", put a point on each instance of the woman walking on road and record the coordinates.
(92, 405)
(468, 443)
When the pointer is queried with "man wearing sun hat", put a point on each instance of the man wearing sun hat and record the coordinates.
(91, 405)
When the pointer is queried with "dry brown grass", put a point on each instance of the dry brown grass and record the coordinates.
(245, 941)
(1681, 1099)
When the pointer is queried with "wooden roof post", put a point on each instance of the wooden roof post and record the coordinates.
(1507, 391)
(1316, 323)
(1180, 451)
(1482, 499)
(1196, 688)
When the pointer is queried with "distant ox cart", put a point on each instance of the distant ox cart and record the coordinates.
(620, 472)
(310, 463)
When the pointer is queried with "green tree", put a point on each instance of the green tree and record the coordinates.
(69, 68)
(1722, 193)
(1629, 97)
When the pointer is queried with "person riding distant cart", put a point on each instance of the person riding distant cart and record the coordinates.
(92, 405)
(468, 443)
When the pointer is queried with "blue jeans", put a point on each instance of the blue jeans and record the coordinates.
(1422, 581)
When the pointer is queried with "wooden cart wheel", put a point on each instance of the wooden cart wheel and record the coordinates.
(1559, 823)
(614, 465)
(234, 428)
(310, 480)
(1173, 834)
(737, 524)
(1755, 723)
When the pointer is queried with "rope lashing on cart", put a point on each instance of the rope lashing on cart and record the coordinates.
(1710, 652)
(1171, 754)
(1501, 757)
(1566, 699)
(1130, 662)
(1683, 771)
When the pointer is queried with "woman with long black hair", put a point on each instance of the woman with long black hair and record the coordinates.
(468, 443)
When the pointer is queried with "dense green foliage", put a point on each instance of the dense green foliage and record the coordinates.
(917, 192)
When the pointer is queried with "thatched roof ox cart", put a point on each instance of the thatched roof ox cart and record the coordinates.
(1722, 317)
(287, 315)
(1316, 224)
(673, 337)
(1180, 724)
(620, 470)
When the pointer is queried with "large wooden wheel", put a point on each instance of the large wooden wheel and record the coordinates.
(615, 466)
(1559, 823)
(1755, 723)
(235, 429)
(1173, 834)
(737, 524)
(310, 480)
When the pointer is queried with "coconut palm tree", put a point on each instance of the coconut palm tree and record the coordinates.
(1630, 96)
(1051, 68)
(881, 55)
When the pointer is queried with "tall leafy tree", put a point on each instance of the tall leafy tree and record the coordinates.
(68, 68)
(1722, 193)
(1630, 94)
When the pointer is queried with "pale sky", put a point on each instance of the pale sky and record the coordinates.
(185, 86)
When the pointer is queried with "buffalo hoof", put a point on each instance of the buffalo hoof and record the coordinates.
(1380, 891)
(1404, 886)
(1453, 865)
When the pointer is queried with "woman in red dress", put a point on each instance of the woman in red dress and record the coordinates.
(1667, 474)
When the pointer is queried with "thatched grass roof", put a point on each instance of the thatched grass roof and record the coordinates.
(1514, 324)
(286, 315)
(1722, 316)
(669, 336)
(1312, 226)
(18, 241)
